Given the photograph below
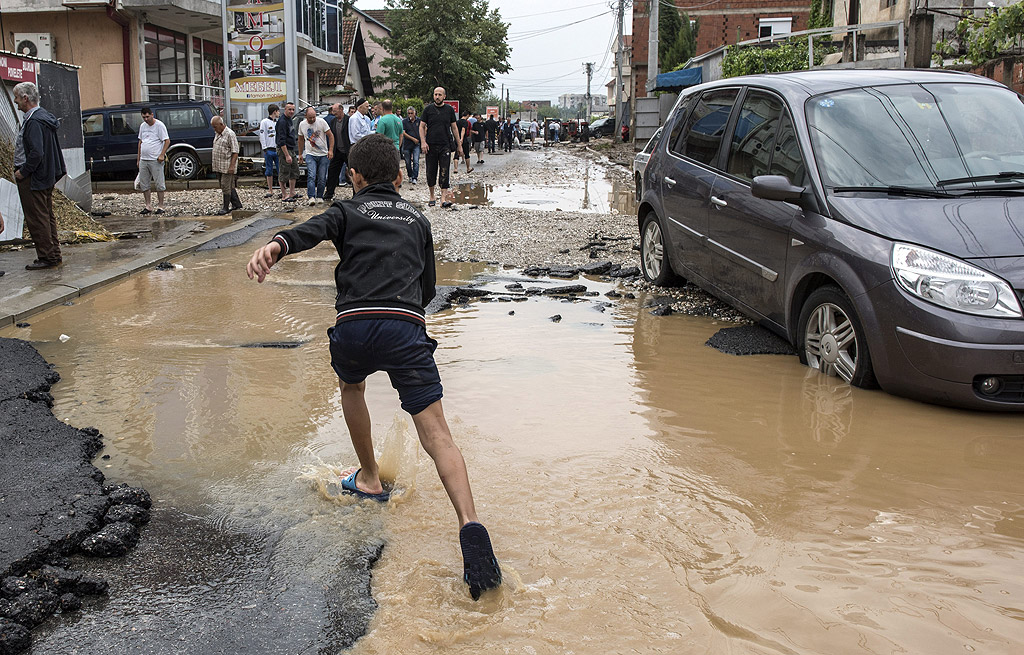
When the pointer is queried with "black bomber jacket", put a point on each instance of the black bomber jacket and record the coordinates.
(386, 250)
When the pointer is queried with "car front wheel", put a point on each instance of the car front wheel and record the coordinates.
(653, 258)
(832, 339)
(184, 165)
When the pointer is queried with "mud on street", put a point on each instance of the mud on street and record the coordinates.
(739, 504)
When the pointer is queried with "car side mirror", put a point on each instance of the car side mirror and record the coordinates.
(776, 187)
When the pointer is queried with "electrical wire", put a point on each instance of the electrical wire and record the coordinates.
(522, 36)
(554, 11)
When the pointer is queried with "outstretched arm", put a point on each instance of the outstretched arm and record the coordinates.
(262, 260)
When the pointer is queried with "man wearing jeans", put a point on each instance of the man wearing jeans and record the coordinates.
(316, 146)
(268, 141)
(411, 145)
(153, 144)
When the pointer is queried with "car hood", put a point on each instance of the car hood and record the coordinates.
(985, 226)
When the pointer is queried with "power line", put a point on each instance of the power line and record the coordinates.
(555, 11)
(522, 36)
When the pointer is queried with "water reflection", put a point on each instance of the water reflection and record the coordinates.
(587, 189)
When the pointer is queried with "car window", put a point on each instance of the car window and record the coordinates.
(674, 141)
(93, 125)
(753, 140)
(706, 125)
(652, 142)
(182, 119)
(125, 122)
(786, 157)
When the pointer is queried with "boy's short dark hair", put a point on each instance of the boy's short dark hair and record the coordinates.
(271, 109)
(146, 110)
(375, 158)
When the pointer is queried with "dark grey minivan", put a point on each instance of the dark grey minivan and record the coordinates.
(875, 219)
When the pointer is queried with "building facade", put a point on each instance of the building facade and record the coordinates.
(718, 24)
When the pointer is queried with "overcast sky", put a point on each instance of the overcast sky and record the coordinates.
(547, 62)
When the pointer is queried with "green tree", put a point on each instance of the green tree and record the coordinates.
(677, 41)
(457, 44)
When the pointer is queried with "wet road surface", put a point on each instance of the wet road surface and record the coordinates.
(645, 493)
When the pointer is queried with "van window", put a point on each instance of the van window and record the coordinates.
(186, 118)
(93, 125)
(125, 122)
(706, 125)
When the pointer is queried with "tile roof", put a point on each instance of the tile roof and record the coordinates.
(379, 15)
(336, 76)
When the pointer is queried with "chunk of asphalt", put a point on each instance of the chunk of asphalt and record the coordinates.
(242, 235)
(749, 340)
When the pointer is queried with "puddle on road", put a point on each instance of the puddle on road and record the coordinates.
(582, 188)
(645, 493)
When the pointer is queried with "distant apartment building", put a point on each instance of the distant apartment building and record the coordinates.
(721, 23)
(570, 100)
(534, 105)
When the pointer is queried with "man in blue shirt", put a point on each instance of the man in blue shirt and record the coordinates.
(359, 124)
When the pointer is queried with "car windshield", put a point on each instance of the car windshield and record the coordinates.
(917, 135)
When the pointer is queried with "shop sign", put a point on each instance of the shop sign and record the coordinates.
(16, 69)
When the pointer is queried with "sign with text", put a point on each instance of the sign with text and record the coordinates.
(492, 111)
(256, 55)
(16, 69)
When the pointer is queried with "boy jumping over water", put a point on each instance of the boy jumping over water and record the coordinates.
(385, 279)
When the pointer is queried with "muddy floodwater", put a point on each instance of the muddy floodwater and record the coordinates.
(645, 493)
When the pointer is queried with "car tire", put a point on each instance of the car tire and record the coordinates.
(183, 165)
(831, 338)
(653, 259)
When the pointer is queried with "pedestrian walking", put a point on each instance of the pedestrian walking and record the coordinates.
(335, 170)
(316, 146)
(389, 125)
(492, 132)
(555, 129)
(152, 152)
(533, 132)
(506, 135)
(479, 133)
(411, 145)
(465, 141)
(375, 113)
(38, 164)
(287, 152)
(437, 129)
(385, 278)
(225, 164)
(268, 143)
(359, 124)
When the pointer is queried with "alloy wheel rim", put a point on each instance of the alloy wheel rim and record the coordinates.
(183, 166)
(830, 341)
(653, 250)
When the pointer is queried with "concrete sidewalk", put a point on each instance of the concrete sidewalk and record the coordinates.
(90, 266)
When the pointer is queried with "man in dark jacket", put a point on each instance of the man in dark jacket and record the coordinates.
(385, 278)
(286, 139)
(38, 164)
(339, 126)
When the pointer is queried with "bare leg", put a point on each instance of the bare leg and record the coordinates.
(451, 467)
(357, 418)
(146, 194)
(160, 199)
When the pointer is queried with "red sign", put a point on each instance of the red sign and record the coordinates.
(454, 104)
(17, 69)
(492, 111)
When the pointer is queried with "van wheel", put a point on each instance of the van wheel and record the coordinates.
(653, 258)
(832, 339)
(183, 165)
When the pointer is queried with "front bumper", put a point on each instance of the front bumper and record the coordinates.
(926, 352)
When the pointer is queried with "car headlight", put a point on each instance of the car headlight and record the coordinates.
(952, 283)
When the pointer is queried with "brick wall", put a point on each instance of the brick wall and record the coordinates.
(1007, 70)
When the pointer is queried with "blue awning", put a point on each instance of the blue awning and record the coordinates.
(678, 79)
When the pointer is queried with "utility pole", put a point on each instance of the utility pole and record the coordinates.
(590, 73)
(618, 73)
(500, 98)
(652, 46)
(508, 101)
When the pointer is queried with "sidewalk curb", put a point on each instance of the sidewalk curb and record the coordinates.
(61, 293)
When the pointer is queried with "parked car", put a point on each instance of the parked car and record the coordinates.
(112, 136)
(602, 127)
(640, 162)
(875, 219)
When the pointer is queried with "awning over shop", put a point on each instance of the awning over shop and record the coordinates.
(677, 80)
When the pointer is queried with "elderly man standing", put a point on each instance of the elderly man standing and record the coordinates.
(225, 164)
(38, 164)
(359, 124)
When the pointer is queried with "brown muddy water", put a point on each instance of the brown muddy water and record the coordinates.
(645, 493)
(580, 186)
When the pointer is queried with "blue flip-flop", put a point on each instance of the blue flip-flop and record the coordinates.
(480, 567)
(349, 485)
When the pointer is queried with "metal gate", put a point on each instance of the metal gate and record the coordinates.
(650, 115)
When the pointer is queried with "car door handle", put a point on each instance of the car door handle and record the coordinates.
(669, 181)
(715, 200)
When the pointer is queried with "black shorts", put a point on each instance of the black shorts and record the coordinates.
(400, 348)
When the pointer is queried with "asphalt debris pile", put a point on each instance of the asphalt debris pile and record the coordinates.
(689, 300)
(749, 340)
(53, 503)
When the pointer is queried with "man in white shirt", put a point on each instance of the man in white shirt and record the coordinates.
(316, 146)
(268, 142)
(153, 144)
(359, 124)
